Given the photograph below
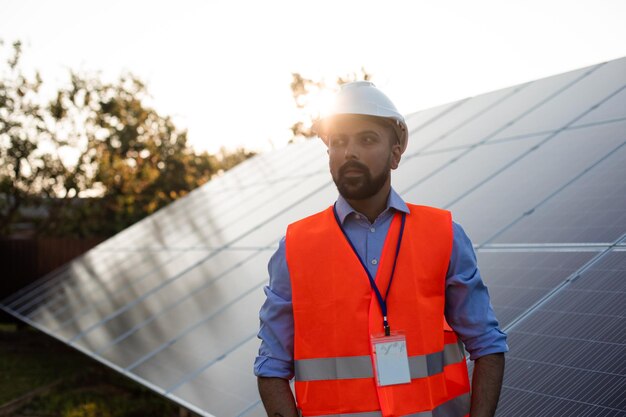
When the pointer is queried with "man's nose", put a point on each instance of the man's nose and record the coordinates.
(352, 151)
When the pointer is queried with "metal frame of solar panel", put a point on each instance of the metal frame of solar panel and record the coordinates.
(535, 174)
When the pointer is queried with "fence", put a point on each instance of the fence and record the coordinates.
(22, 261)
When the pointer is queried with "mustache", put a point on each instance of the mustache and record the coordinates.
(353, 165)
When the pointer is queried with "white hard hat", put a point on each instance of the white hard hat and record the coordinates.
(363, 98)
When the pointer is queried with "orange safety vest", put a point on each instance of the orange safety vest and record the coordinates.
(335, 312)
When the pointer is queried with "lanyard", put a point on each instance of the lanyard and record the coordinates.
(381, 301)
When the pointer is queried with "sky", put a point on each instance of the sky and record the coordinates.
(222, 69)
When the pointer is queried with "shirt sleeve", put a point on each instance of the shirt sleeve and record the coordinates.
(468, 309)
(275, 358)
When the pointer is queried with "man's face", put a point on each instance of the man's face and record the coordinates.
(361, 154)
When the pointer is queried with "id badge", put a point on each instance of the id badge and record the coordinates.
(390, 359)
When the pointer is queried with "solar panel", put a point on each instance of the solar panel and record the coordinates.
(512, 191)
(589, 209)
(597, 86)
(457, 172)
(455, 122)
(534, 173)
(518, 279)
(528, 99)
(569, 355)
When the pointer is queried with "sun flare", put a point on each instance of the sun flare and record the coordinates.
(320, 102)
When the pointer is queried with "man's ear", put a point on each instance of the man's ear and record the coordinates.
(396, 155)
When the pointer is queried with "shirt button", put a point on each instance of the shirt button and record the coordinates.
(372, 229)
(374, 261)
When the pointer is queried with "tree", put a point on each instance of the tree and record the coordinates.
(30, 169)
(306, 92)
(111, 159)
(141, 160)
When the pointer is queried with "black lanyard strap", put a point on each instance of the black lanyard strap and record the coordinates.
(381, 301)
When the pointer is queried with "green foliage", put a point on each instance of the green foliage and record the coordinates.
(22, 128)
(24, 368)
(94, 139)
(141, 161)
(87, 410)
(98, 392)
(77, 385)
(304, 91)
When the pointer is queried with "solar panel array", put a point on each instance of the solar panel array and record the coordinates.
(535, 173)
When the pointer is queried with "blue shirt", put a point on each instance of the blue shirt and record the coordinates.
(467, 310)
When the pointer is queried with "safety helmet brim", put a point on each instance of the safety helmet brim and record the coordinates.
(323, 127)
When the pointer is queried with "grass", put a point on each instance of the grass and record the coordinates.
(29, 359)
(84, 388)
(98, 392)
(8, 327)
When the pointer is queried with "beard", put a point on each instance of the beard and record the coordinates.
(363, 186)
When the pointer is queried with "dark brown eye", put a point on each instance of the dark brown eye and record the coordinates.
(336, 141)
(369, 139)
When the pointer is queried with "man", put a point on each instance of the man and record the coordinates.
(366, 298)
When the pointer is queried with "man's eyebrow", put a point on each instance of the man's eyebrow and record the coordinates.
(363, 132)
(368, 132)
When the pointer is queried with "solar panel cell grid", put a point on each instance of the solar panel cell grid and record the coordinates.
(225, 384)
(419, 119)
(530, 98)
(572, 347)
(88, 311)
(202, 344)
(590, 209)
(460, 172)
(420, 167)
(435, 133)
(612, 109)
(517, 280)
(175, 312)
(566, 106)
(270, 231)
(536, 176)
(567, 352)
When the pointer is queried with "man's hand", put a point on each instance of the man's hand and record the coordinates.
(277, 397)
(486, 384)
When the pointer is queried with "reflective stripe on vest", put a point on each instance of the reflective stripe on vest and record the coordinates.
(349, 367)
(456, 407)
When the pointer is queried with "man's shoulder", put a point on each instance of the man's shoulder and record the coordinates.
(421, 209)
(309, 228)
(313, 218)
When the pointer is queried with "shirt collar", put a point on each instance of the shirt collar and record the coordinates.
(394, 202)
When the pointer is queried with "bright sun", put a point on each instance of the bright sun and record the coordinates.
(320, 102)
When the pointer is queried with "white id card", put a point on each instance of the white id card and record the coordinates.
(391, 359)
